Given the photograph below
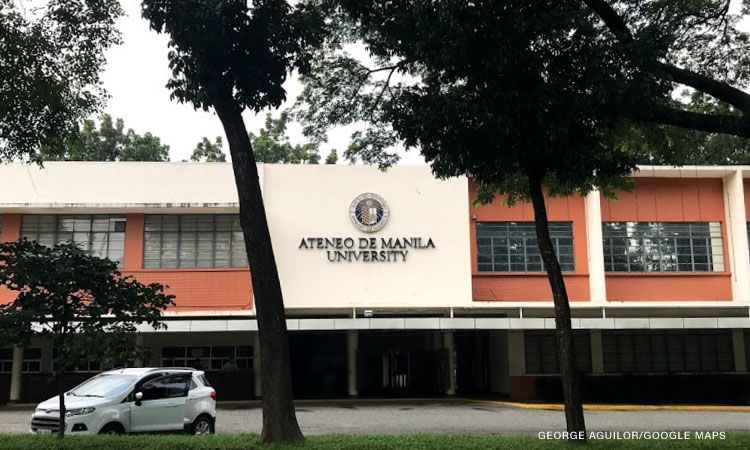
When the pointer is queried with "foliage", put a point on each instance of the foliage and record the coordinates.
(269, 34)
(333, 157)
(51, 54)
(207, 151)
(666, 144)
(82, 303)
(64, 291)
(272, 145)
(350, 442)
(110, 142)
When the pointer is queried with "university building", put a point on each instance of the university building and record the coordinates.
(397, 285)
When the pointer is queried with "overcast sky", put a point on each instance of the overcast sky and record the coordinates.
(135, 77)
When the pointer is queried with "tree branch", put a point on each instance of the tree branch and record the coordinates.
(717, 89)
(711, 123)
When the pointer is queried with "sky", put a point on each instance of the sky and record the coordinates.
(135, 78)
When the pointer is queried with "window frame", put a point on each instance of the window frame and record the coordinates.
(236, 256)
(649, 248)
(89, 244)
(523, 231)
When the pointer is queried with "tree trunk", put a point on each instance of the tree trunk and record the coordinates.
(59, 372)
(564, 333)
(279, 419)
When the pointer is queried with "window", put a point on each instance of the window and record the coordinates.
(178, 241)
(540, 349)
(663, 247)
(102, 235)
(32, 360)
(700, 351)
(91, 365)
(512, 246)
(169, 386)
(207, 357)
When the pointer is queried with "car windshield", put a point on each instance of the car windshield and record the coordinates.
(104, 385)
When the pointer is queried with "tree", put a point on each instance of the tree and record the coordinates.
(272, 146)
(666, 144)
(332, 157)
(50, 60)
(110, 142)
(229, 56)
(520, 94)
(87, 308)
(520, 104)
(695, 45)
(207, 151)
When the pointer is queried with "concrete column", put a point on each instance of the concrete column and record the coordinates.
(738, 344)
(139, 344)
(352, 343)
(595, 247)
(15, 376)
(450, 348)
(516, 353)
(736, 236)
(257, 392)
(597, 354)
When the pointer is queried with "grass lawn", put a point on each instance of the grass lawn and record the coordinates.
(249, 441)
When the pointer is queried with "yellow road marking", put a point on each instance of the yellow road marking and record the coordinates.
(618, 407)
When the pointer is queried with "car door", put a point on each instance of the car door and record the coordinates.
(162, 407)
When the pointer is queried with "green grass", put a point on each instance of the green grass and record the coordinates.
(340, 442)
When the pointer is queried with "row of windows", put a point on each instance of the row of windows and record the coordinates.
(176, 241)
(206, 241)
(208, 357)
(102, 235)
(636, 352)
(663, 247)
(628, 246)
(32, 360)
(512, 246)
(540, 349)
(668, 352)
(170, 241)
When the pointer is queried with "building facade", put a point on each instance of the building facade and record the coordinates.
(397, 284)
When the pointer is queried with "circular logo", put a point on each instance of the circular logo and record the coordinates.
(369, 212)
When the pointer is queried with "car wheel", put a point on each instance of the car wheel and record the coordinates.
(112, 429)
(202, 425)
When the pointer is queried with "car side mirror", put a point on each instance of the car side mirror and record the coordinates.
(138, 398)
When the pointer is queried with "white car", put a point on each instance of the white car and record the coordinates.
(133, 401)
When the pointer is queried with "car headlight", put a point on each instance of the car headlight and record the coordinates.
(79, 411)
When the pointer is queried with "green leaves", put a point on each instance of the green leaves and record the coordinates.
(50, 60)
(233, 51)
(272, 145)
(108, 142)
(207, 151)
(89, 309)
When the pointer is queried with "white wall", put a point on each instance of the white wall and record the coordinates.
(313, 201)
(136, 186)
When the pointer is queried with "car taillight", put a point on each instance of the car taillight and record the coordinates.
(213, 395)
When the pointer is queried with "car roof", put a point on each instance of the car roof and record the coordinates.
(138, 371)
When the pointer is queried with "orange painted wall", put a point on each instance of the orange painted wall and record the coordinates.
(195, 289)
(11, 231)
(522, 286)
(669, 200)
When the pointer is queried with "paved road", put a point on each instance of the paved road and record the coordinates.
(452, 419)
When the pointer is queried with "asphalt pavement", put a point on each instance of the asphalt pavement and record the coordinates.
(451, 418)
